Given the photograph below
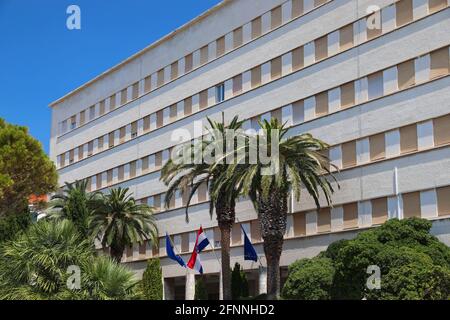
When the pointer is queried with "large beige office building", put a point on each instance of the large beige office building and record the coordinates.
(375, 86)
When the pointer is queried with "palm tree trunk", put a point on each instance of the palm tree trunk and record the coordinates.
(273, 219)
(225, 232)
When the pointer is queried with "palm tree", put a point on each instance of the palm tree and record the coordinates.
(34, 266)
(187, 177)
(74, 204)
(301, 164)
(119, 221)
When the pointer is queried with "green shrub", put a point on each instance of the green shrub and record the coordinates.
(309, 279)
(13, 225)
(200, 290)
(239, 283)
(152, 285)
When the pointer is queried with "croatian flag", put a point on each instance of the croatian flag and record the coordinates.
(200, 243)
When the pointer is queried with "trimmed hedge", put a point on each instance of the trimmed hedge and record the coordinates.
(152, 285)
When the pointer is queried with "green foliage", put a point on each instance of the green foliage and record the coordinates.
(151, 285)
(239, 283)
(200, 290)
(24, 169)
(13, 225)
(75, 204)
(413, 264)
(34, 266)
(119, 222)
(309, 279)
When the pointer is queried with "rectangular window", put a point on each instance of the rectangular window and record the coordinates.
(111, 139)
(220, 46)
(73, 122)
(102, 107)
(188, 106)
(319, 2)
(406, 74)
(135, 91)
(217, 235)
(275, 68)
(439, 63)
(298, 59)
(220, 93)
(80, 153)
(203, 99)
(255, 231)
(188, 63)
(173, 113)
(299, 224)
(90, 148)
(122, 133)
(147, 124)
(112, 103)
(159, 118)
(160, 78)
(441, 127)
(375, 84)
(404, 12)
(237, 37)
(62, 160)
(379, 211)
(443, 200)
(185, 242)
(347, 95)
(157, 202)
(236, 235)
(237, 84)
(374, 30)
(72, 156)
(297, 8)
(101, 142)
(321, 48)
(99, 181)
(321, 104)
(82, 117)
(436, 5)
(174, 70)
(109, 177)
(145, 164)
(143, 248)
(158, 160)
(346, 37)
(256, 77)
(91, 113)
(204, 54)
(133, 169)
(324, 220)
(408, 139)
(377, 147)
(349, 154)
(202, 192)
(411, 205)
(256, 27)
(89, 184)
(350, 215)
(276, 17)
(148, 84)
(134, 129)
(123, 97)
(276, 114)
(121, 173)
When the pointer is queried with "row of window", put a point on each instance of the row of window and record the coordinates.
(273, 19)
(387, 145)
(427, 204)
(270, 71)
(378, 84)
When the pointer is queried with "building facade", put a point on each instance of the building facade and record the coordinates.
(372, 84)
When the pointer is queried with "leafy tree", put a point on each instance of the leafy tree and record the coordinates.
(12, 225)
(34, 266)
(200, 290)
(187, 176)
(152, 283)
(300, 163)
(119, 222)
(24, 169)
(239, 283)
(309, 279)
(74, 204)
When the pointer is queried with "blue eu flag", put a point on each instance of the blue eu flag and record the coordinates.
(249, 250)
(171, 254)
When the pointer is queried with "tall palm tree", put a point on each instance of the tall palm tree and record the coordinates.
(301, 164)
(187, 177)
(74, 204)
(119, 221)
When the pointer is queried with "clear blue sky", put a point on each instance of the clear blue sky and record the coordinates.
(41, 60)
